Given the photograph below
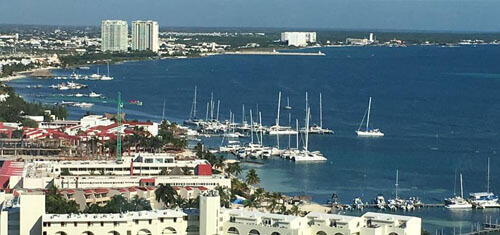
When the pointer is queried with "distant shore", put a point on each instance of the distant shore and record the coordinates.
(44, 72)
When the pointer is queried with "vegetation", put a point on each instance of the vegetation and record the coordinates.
(9, 70)
(167, 194)
(119, 204)
(56, 204)
(252, 178)
(14, 108)
(77, 59)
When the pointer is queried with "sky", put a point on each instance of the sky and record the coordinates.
(438, 15)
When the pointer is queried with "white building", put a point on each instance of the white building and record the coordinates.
(210, 219)
(114, 35)
(145, 36)
(298, 39)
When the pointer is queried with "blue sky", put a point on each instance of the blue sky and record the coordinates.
(446, 15)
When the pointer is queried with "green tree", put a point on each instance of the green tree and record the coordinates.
(234, 169)
(55, 203)
(166, 194)
(252, 178)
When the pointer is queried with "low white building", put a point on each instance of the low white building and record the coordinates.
(210, 219)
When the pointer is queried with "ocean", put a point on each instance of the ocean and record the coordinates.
(439, 108)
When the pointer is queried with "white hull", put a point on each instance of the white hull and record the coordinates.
(369, 134)
(283, 132)
(459, 206)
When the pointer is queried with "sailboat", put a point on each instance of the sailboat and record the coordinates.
(107, 77)
(305, 155)
(458, 202)
(288, 107)
(368, 132)
(96, 76)
(277, 129)
(485, 199)
(193, 120)
(315, 129)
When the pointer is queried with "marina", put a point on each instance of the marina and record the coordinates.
(426, 139)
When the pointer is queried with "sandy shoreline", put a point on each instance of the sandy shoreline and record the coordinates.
(24, 74)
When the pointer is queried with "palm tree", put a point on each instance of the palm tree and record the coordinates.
(166, 194)
(234, 169)
(180, 202)
(225, 199)
(186, 170)
(294, 210)
(139, 204)
(259, 194)
(219, 163)
(252, 178)
(251, 202)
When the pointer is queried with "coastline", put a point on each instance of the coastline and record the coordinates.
(25, 74)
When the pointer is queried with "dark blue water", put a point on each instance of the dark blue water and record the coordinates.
(438, 107)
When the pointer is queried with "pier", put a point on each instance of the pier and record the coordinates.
(319, 53)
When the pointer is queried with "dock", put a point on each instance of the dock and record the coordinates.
(319, 53)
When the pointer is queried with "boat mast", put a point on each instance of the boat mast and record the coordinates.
(307, 129)
(108, 68)
(163, 112)
(397, 183)
(488, 185)
(243, 114)
(461, 187)
(251, 127)
(218, 106)
(307, 102)
(279, 102)
(206, 116)
(119, 125)
(260, 127)
(297, 127)
(320, 113)
(212, 106)
(368, 117)
(289, 124)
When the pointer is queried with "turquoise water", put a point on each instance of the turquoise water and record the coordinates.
(439, 108)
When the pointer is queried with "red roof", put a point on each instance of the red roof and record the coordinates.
(101, 190)
(88, 191)
(10, 168)
(146, 180)
(132, 189)
(202, 188)
(69, 191)
(188, 188)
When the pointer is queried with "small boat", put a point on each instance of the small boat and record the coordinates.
(380, 202)
(78, 95)
(84, 67)
(94, 95)
(96, 76)
(107, 77)
(458, 202)
(136, 102)
(368, 132)
(83, 105)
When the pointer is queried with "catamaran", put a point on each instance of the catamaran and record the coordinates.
(315, 129)
(368, 132)
(305, 155)
(458, 202)
(486, 199)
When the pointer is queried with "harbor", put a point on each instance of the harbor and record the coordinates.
(423, 138)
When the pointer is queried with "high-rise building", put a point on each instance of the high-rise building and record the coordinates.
(298, 39)
(145, 35)
(114, 35)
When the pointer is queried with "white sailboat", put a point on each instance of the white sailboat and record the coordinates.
(368, 132)
(277, 129)
(193, 120)
(107, 77)
(96, 76)
(315, 129)
(305, 155)
(458, 202)
(486, 199)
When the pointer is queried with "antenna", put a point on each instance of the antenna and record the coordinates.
(119, 122)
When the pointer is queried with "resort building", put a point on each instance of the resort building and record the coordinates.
(209, 219)
(298, 39)
(145, 36)
(114, 35)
